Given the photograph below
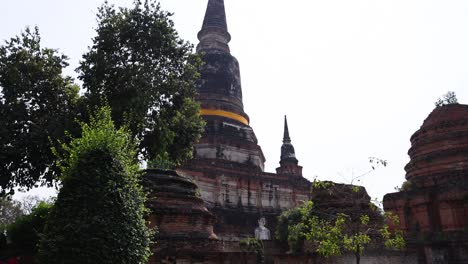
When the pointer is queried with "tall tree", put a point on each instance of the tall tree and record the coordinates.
(146, 73)
(36, 107)
(98, 214)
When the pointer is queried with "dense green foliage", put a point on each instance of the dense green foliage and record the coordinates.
(253, 245)
(304, 224)
(146, 73)
(98, 214)
(36, 107)
(332, 235)
(24, 233)
(286, 232)
(137, 64)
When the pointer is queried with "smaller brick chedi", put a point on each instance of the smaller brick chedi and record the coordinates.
(433, 203)
(184, 225)
(288, 162)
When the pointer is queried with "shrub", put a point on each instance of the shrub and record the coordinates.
(99, 213)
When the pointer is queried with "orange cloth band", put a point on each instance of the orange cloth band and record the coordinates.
(226, 114)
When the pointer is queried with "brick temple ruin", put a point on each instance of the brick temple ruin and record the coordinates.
(433, 205)
(217, 198)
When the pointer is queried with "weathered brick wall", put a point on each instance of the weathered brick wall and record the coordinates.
(239, 195)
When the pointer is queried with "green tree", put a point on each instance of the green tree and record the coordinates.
(146, 73)
(25, 231)
(98, 216)
(331, 230)
(333, 234)
(36, 107)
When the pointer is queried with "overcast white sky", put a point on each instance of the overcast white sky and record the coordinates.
(356, 78)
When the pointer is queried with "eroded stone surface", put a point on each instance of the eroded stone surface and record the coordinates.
(239, 195)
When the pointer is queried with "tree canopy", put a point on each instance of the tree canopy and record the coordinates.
(36, 107)
(98, 216)
(137, 65)
(146, 73)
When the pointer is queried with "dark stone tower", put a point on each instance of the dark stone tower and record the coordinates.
(288, 162)
(228, 136)
(228, 165)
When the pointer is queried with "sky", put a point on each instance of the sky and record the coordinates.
(355, 78)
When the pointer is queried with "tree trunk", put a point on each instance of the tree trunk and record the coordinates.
(358, 255)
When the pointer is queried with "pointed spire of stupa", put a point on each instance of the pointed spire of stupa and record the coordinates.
(288, 162)
(214, 35)
(287, 150)
(215, 15)
(286, 138)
